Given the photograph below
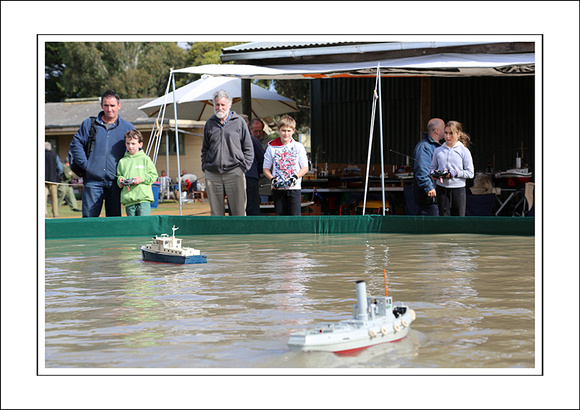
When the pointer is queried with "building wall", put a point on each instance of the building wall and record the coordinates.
(497, 112)
(342, 114)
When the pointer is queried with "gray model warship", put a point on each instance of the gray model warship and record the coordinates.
(168, 249)
(375, 320)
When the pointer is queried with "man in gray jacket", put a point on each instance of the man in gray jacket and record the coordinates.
(226, 154)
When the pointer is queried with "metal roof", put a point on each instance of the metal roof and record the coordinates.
(279, 50)
(73, 113)
(280, 53)
(264, 45)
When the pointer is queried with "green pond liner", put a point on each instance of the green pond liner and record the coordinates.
(69, 228)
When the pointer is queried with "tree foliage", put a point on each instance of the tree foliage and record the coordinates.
(299, 91)
(141, 70)
(203, 53)
(133, 69)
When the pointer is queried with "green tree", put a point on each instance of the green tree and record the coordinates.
(298, 91)
(145, 68)
(203, 53)
(53, 69)
(84, 71)
(133, 69)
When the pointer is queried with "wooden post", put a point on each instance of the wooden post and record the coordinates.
(247, 98)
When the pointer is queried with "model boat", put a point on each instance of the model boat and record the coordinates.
(515, 176)
(169, 249)
(376, 320)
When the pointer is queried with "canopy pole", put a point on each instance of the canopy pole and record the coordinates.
(167, 151)
(157, 132)
(177, 143)
(381, 131)
(375, 98)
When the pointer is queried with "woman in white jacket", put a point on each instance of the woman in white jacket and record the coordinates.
(451, 166)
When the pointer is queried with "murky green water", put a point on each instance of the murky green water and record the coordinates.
(473, 295)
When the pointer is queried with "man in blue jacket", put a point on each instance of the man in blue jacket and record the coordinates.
(423, 188)
(101, 166)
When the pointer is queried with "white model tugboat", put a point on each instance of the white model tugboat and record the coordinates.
(168, 249)
(376, 320)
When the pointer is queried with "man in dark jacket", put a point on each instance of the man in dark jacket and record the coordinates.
(423, 188)
(101, 166)
(52, 170)
(253, 178)
(226, 154)
(65, 189)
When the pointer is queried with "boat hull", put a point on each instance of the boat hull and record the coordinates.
(351, 338)
(175, 259)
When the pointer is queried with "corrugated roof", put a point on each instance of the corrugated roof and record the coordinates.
(266, 45)
(292, 51)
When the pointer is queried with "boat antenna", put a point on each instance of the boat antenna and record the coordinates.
(385, 275)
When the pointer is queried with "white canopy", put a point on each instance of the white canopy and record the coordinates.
(195, 100)
(440, 65)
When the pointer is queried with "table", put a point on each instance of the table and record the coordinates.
(271, 206)
(333, 198)
(515, 194)
(371, 189)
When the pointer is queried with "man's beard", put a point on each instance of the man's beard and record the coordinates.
(221, 114)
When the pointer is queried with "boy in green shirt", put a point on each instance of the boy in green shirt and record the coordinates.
(136, 173)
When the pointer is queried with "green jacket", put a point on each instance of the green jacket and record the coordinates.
(67, 174)
(138, 165)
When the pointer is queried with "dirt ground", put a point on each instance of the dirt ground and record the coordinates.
(168, 207)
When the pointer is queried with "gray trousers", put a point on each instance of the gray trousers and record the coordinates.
(231, 184)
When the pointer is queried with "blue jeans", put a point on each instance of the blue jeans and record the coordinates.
(95, 192)
(427, 210)
(140, 209)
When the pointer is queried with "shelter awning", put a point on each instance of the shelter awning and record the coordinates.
(194, 100)
(439, 65)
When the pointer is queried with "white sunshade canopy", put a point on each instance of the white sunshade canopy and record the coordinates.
(195, 100)
(444, 65)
